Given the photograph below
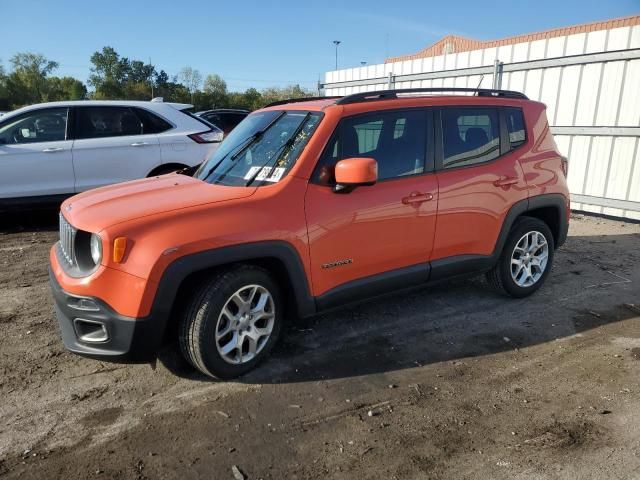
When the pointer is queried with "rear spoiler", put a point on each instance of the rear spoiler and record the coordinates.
(177, 106)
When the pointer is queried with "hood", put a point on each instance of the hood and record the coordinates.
(103, 207)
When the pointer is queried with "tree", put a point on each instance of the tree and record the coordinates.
(29, 73)
(191, 79)
(275, 94)
(65, 88)
(215, 89)
(109, 73)
(4, 95)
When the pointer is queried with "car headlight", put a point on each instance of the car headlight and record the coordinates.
(96, 249)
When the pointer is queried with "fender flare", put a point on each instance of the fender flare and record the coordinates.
(555, 200)
(182, 267)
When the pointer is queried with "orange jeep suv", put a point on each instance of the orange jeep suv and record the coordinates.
(307, 205)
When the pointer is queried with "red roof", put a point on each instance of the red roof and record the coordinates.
(457, 44)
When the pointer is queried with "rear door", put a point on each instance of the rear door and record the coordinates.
(479, 179)
(35, 154)
(111, 146)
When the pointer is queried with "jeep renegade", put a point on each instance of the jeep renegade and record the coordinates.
(307, 205)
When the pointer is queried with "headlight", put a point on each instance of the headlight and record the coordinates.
(96, 249)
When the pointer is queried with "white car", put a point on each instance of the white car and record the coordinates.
(52, 150)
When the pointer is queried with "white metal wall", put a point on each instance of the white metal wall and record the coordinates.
(590, 83)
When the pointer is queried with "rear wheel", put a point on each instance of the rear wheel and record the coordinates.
(232, 322)
(525, 260)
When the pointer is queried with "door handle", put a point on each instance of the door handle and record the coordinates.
(53, 149)
(417, 197)
(139, 144)
(505, 181)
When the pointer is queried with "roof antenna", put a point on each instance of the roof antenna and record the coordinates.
(480, 83)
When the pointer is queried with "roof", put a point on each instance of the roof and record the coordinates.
(306, 105)
(224, 110)
(95, 103)
(457, 44)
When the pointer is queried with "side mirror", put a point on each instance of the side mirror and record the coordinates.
(355, 172)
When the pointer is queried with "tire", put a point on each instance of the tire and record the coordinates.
(241, 290)
(529, 274)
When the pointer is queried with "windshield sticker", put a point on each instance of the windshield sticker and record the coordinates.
(266, 175)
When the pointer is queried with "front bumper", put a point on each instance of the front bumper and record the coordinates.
(91, 328)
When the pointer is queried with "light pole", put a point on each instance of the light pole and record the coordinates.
(336, 43)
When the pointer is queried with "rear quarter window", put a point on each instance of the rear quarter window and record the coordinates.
(151, 123)
(515, 127)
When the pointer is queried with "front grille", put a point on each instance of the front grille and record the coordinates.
(67, 240)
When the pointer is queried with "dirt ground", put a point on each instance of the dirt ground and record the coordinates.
(451, 381)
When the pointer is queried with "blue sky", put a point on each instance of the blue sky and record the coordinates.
(263, 43)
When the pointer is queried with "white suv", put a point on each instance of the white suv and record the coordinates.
(52, 150)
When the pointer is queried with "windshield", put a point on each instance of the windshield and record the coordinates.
(261, 149)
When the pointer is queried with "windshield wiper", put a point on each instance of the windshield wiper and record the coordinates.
(246, 143)
(289, 143)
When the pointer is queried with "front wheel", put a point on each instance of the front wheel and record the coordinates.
(525, 260)
(232, 322)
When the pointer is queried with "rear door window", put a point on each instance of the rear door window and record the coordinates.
(102, 122)
(470, 135)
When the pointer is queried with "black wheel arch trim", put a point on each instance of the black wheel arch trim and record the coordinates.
(461, 265)
(182, 267)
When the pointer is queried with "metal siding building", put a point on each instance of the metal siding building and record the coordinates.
(587, 75)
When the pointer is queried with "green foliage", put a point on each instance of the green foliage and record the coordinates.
(114, 77)
(64, 88)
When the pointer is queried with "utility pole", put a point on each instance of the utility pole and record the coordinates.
(336, 43)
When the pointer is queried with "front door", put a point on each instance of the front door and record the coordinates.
(35, 155)
(380, 231)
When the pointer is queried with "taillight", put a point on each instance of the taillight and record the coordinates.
(210, 136)
(564, 163)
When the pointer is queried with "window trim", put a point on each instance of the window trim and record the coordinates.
(428, 163)
(505, 142)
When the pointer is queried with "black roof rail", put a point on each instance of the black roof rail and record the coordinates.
(389, 94)
(297, 100)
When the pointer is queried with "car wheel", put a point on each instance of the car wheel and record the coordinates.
(232, 322)
(525, 260)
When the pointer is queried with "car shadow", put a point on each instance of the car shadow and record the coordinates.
(40, 220)
(588, 288)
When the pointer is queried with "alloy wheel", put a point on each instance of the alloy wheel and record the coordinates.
(529, 259)
(245, 324)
